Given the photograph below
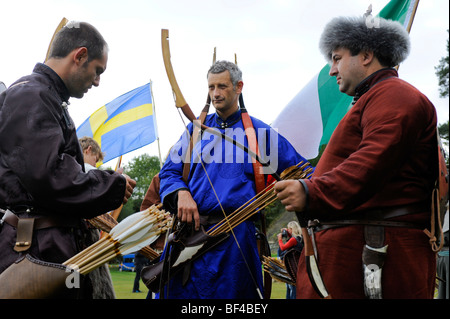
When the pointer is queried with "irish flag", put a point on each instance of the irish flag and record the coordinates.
(310, 118)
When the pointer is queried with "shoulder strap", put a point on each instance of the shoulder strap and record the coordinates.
(253, 146)
(259, 180)
(194, 139)
(252, 143)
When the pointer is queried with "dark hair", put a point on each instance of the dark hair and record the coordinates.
(76, 35)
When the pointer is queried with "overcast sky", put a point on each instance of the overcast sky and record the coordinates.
(276, 42)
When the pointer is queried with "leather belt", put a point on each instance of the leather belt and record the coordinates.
(375, 217)
(39, 222)
(25, 227)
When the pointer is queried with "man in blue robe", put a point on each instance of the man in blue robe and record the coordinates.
(221, 272)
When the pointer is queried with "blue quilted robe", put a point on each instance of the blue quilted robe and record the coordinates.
(223, 272)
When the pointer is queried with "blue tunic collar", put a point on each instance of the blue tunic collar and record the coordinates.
(229, 122)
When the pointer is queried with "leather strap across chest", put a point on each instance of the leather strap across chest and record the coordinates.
(252, 144)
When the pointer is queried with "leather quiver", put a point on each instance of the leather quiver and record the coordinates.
(30, 278)
(183, 250)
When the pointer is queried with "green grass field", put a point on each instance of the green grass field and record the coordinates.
(123, 286)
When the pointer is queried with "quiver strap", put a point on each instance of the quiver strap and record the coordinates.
(195, 137)
(253, 146)
(183, 250)
(30, 278)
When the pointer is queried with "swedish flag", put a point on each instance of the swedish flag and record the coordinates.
(124, 124)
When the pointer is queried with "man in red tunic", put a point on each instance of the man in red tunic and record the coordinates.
(376, 174)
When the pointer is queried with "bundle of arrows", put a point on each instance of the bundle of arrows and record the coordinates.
(277, 270)
(106, 222)
(131, 234)
(259, 202)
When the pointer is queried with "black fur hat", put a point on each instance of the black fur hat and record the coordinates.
(387, 39)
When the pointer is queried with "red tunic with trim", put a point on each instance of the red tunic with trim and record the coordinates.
(383, 154)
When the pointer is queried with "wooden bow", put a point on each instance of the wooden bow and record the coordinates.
(58, 28)
(180, 102)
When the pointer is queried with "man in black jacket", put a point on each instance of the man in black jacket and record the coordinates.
(41, 163)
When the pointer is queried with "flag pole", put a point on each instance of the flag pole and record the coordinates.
(119, 162)
(156, 124)
(413, 14)
(410, 22)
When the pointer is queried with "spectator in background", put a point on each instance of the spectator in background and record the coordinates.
(140, 261)
(293, 236)
(92, 153)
